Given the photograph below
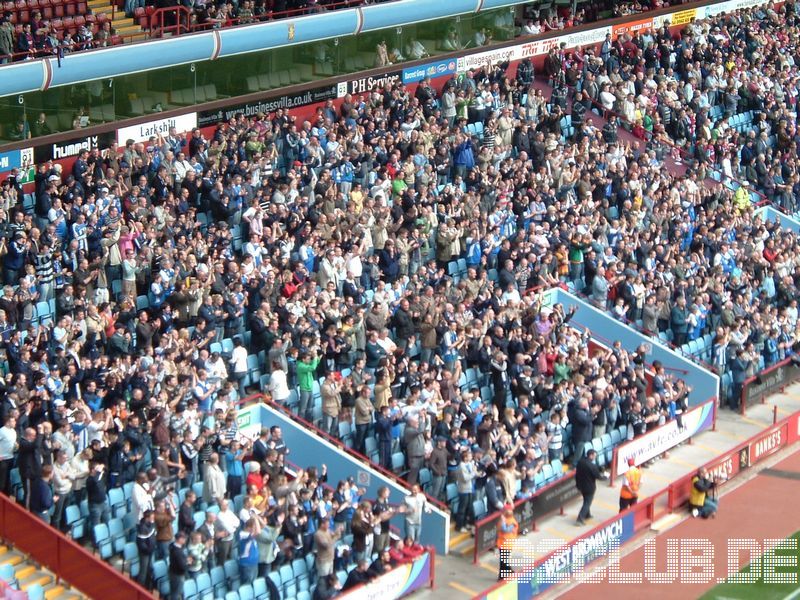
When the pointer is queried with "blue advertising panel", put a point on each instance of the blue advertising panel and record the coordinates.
(440, 68)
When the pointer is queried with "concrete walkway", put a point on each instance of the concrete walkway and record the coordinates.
(456, 576)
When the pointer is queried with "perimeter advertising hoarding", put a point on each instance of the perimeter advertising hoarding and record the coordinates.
(764, 384)
(156, 127)
(268, 105)
(563, 564)
(435, 69)
(363, 85)
(663, 438)
(397, 583)
(545, 501)
(73, 147)
(768, 443)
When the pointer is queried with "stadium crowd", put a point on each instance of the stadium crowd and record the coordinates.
(377, 270)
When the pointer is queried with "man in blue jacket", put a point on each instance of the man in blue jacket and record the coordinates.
(42, 497)
(464, 156)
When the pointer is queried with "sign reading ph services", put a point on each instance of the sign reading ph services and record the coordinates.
(143, 131)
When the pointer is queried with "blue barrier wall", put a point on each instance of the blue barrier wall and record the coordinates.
(22, 77)
(768, 213)
(392, 14)
(306, 449)
(132, 58)
(275, 34)
(110, 62)
(705, 384)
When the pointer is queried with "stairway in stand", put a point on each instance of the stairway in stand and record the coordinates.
(19, 572)
(123, 26)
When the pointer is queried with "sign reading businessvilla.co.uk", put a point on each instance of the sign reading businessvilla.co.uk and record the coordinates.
(268, 105)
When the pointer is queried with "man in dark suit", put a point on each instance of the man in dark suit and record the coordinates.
(586, 475)
(178, 565)
(29, 461)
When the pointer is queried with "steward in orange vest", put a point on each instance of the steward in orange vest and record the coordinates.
(629, 494)
(507, 532)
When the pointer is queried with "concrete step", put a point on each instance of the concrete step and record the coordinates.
(131, 30)
(121, 22)
(24, 571)
(39, 577)
(12, 558)
(666, 522)
(54, 591)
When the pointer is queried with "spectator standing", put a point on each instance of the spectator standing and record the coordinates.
(383, 513)
(306, 367)
(8, 446)
(325, 546)
(415, 504)
(178, 566)
(227, 523)
(466, 474)
(63, 478)
(414, 444)
(42, 498)
(146, 544)
(29, 461)
(248, 551)
(96, 494)
(164, 516)
(214, 483)
(141, 499)
(437, 462)
(331, 403)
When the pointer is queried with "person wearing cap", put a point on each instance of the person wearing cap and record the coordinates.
(507, 532)
(629, 493)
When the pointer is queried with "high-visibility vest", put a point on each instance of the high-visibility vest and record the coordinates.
(507, 532)
(696, 497)
(630, 489)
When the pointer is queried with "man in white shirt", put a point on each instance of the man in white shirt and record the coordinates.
(239, 362)
(278, 386)
(141, 499)
(8, 443)
(414, 504)
(64, 475)
(227, 524)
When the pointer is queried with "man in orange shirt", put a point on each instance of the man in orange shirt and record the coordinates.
(629, 494)
(507, 532)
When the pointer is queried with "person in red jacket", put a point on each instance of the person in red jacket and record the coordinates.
(412, 550)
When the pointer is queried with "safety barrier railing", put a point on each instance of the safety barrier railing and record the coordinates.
(67, 559)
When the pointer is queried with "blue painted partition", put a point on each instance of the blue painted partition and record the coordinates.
(275, 34)
(22, 77)
(80, 67)
(769, 213)
(705, 384)
(306, 449)
(117, 60)
(392, 14)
